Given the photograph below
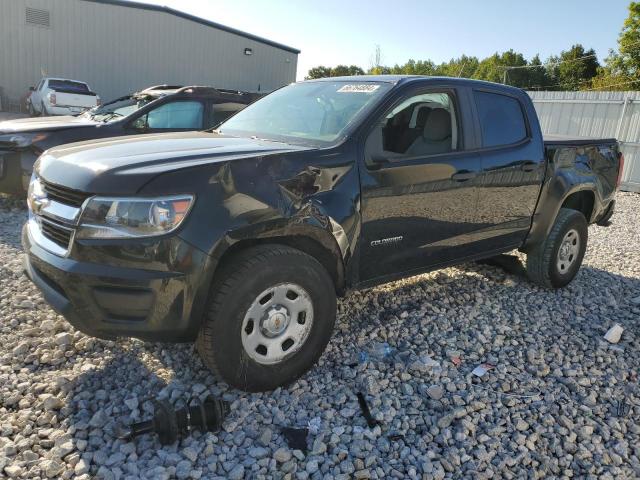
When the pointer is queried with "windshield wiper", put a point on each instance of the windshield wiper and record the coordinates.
(111, 115)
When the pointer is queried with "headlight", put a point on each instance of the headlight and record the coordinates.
(132, 217)
(35, 194)
(22, 140)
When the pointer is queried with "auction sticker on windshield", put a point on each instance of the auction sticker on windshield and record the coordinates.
(362, 88)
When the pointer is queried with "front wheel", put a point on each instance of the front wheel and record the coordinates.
(271, 316)
(555, 262)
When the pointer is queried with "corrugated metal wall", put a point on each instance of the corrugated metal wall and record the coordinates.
(596, 114)
(118, 49)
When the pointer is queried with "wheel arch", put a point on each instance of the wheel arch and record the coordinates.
(560, 193)
(319, 243)
(581, 200)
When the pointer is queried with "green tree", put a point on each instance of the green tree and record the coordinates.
(537, 77)
(337, 71)
(500, 68)
(340, 71)
(463, 66)
(622, 68)
(318, 72)
(573, 69)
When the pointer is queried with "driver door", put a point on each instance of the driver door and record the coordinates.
(419, 193)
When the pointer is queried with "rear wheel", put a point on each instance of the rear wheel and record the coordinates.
(31, 110)
(271, 316)
(555, 262)
(43, 110)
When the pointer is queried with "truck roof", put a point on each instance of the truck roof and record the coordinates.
(405, 79)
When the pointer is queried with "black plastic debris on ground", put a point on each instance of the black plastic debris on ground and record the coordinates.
(296, 438)
(366, 413)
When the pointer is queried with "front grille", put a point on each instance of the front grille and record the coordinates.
(56, 233)
(64, 195)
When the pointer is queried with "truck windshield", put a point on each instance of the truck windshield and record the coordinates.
(315, 113)
(117, 109)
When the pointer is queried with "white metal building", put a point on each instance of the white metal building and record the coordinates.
(120, 46)
(596, 114)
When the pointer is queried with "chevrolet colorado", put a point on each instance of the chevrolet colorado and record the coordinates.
(241, 238)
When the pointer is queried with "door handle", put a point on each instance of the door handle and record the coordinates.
(463, 176)
(529, 166)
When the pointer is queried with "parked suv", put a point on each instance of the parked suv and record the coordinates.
(162, 108)
(241, 238)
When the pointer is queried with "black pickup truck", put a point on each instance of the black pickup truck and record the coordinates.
(241, 238)
(157, 109)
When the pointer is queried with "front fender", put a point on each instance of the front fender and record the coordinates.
(310, 230)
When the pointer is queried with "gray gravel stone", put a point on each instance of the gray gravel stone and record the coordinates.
(282, 455)
(435, 391)
(237, 473)
(554, 393)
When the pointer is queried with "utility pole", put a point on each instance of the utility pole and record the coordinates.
(504, 75)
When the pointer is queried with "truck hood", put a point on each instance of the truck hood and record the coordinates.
(27, 125)
(122, 165)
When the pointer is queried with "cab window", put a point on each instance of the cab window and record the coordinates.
(501, 119)
(420, 125)
(186, 115)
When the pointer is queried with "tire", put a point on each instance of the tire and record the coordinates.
(43, 110)
(31, 110)
(241, 315)
(548, 265)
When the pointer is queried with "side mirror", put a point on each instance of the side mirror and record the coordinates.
(32, 89)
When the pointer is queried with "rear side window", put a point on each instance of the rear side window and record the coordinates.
(501, 119)
(68, 86)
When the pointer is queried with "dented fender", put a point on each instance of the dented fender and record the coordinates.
(293, 198)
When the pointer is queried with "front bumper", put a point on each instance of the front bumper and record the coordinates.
(62, 110)
(109, 301)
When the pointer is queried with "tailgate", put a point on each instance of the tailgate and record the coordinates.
(64, 99)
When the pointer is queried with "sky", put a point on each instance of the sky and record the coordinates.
(332, 32)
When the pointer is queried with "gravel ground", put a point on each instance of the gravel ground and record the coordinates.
(561, 402)
(11, 115)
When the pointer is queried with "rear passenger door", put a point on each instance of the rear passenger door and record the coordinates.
(512, 167)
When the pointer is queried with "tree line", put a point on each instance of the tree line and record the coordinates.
(577, 68)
